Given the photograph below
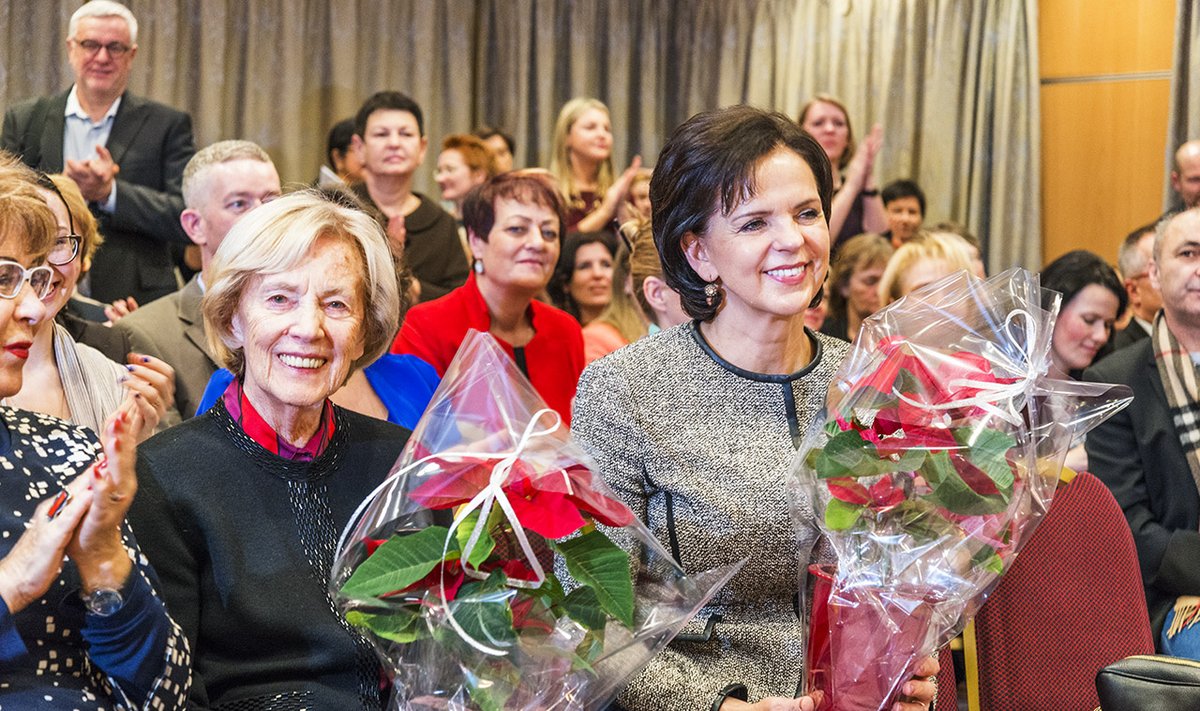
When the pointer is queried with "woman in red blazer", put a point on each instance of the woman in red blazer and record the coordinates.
(514, 224)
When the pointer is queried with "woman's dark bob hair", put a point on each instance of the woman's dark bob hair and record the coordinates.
(708, 165)
(1075, 271)
(559, 288)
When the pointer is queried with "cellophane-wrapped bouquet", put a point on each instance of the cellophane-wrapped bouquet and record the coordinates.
(486, 569)
(938, 453)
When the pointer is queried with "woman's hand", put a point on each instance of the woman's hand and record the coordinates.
(97, 548)
(771, 703)
(120, 308)
(616, 195)
(860, 172)
(36, 559)
(151, 383)
(917, 693)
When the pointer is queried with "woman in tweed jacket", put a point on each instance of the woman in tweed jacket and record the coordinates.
(696, 426)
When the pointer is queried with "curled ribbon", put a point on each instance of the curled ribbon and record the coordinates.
(491, 495)
(989, 393)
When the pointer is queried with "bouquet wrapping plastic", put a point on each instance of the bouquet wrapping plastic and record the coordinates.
(938, 453)
(486, 569)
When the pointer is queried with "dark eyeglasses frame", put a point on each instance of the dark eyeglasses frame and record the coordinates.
(44, 181)
(92, 48)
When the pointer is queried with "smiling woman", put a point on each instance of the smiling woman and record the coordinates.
(304, 292)
(514, 223)
(691, 423)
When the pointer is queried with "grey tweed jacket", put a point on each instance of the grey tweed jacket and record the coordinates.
(700, 449)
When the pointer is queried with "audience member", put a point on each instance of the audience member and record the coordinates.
(1185, 178)
(582, 284)
(856, 205)
(391, 142)
(660, 303)
(396, 388)
(696, 427)
(72, 381)
(1133, 259)
(854, 284)
(463, 163)
(921, 261)
(339, 154)
(639, 195)
(80, 624)
(581, 161)
(221, 184)
(1148, 452)
(1092, 297)
(904, 203)
(501, 145)
(72, 132)
(241, 507)
(514, 222)
(622, 321)
(954, 228)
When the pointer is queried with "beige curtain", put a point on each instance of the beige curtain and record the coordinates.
(953, 82)
(1185, 96)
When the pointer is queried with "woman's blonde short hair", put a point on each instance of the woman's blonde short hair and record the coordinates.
(560, 158)
(24, 215)
(85, 223)
(277, 237)
(926, 246)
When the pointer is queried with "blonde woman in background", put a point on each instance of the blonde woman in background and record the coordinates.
(857, 206)
(923, 260)
(660, 303)
(581, 162)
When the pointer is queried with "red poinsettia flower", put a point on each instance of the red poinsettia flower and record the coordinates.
(525, 617)
(885, 494)
(371, 544)
(576, 482)
(549, 513)
(454, 577)
(849, 490)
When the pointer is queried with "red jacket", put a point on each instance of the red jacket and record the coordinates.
(434, 330)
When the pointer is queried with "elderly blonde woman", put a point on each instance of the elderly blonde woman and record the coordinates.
(241, 507)
(71, 380)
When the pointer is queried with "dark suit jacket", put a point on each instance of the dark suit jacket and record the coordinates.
(1129, 335)
(151, 143)
(172, 329)
(1138, 455)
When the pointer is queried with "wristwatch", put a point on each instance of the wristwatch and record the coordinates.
(104, 602)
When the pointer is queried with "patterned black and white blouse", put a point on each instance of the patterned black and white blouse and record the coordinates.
(54, 654)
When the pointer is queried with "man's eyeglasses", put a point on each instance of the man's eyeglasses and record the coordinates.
(91, 48)
(13, 276)
(66, 247)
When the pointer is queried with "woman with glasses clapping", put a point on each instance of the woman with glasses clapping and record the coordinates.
(69, 380)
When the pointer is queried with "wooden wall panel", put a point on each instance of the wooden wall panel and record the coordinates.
(1105, 95)
(1102, 149)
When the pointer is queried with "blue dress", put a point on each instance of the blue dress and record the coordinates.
(404, 383)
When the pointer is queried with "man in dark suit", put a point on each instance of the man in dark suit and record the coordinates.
(221, 184)
(97, 131)
(1133, 259)
(1149, 453)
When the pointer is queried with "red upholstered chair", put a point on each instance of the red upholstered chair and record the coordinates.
(1072, 604)
(947, 684)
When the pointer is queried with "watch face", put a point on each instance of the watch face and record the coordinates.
(104, 602)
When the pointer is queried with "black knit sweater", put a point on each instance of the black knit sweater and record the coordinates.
(243, 542)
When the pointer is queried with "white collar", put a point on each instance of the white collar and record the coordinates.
(74, 108)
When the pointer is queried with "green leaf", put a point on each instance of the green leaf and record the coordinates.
(550, 589)
(484, 611)
(584, 607)
(846, 454)
(988, 450)
(401, 561)
(598, 563)
(399, 626)
(483, 547)
(909, 460)
(488, 695)
(841, 515)
(987, 558)
(952, 493)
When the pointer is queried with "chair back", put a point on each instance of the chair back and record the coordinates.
(1071, 604)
